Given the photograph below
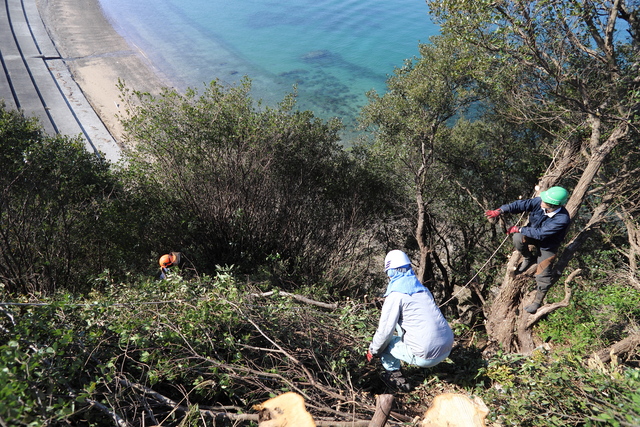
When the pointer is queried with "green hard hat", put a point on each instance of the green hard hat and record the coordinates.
(555, 196)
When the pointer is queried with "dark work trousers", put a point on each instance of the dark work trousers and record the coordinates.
(545, 259)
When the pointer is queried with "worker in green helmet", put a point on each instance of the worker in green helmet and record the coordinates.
(547, 228)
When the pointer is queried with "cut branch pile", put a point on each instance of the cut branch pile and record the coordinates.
(214, 358)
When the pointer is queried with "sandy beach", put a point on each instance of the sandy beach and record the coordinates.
(98, 56)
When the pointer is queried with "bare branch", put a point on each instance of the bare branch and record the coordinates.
(308, 374)
(299, 298)
(118, 420)
(550, 308)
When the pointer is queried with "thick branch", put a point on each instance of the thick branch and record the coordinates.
(383, 410)
(299, 298)
(599, 153)
(549, 308)
(625, 346)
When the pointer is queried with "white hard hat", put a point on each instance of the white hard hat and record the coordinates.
(396, 259)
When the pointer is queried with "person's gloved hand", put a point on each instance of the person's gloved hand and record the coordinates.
(513, 229)
(369, 356)
(493, 214)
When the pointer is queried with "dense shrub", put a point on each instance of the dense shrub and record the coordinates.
(201, 344)
(545, 390)
(166, 351)
(57, 210)
(252, 186)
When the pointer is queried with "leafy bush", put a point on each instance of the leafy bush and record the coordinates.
(168, 351)
(602, 311)
(238, 184)
(57, 209)
(547, 391)
(200, 344)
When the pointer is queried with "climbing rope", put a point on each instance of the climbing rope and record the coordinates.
(475, 275)
(489, 259)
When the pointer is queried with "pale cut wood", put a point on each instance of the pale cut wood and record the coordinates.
(455, 410)
(285, 410)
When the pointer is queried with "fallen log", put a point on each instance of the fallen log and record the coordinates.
(620, 348)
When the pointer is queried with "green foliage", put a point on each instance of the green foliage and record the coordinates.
(203, 343)
(56, 210)
(466, 126)
(212, 342)
(596, 318)
(43, 360)
(250, 186)
(545, 391)
(603, 309)
(423, 96)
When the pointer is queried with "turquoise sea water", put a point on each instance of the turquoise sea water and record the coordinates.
(333, 50)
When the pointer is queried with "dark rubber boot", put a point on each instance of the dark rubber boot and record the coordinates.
(395, 380)
(537, 301)
(524, 266)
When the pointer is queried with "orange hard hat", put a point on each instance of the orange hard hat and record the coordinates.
(167, 260)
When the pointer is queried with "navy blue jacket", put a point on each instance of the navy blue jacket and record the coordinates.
(549, 231)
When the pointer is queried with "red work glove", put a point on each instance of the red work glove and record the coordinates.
(513, 229)
(369, 356)
(493, 214)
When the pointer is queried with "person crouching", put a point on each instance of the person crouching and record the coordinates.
(424, 338)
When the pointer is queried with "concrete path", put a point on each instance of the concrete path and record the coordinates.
(35, 79)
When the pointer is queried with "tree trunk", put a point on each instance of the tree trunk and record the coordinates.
(598, 156)
(423, 226)
(424, 273)
(420, 235)
(506, 320)
(633, 232)
(503, 314)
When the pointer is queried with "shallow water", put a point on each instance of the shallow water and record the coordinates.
(333, 51)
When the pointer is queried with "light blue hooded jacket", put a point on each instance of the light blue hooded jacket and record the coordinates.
(411, 306)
